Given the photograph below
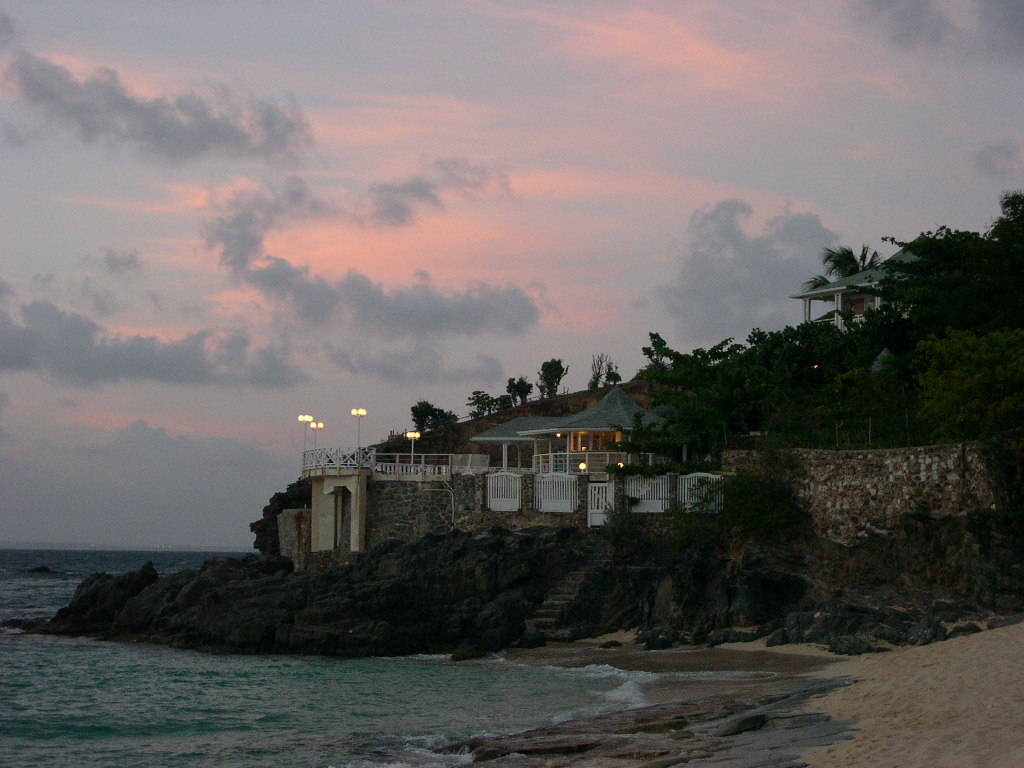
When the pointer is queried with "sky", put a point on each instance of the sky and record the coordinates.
(218, 216)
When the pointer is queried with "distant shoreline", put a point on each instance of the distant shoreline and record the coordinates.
(47, 546)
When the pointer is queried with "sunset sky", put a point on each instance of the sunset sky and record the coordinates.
(217, 216)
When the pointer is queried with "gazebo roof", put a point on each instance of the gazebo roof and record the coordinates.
(509, 431)
(616, 410)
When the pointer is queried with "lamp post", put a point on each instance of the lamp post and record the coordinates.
(359, 413)
(413, 436)
(304, 419)
(316, 426)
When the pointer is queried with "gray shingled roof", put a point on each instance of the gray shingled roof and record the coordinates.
(509, 431)
(613, 411)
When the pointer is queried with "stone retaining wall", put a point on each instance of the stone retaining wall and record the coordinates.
(853, 494)
(406, 509)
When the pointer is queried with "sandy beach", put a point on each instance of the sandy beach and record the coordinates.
(958, 703)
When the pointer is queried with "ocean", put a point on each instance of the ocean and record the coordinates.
(87, 703)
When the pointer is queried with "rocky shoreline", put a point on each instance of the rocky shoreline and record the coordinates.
(477, 592)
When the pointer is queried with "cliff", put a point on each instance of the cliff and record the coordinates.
(927, 579)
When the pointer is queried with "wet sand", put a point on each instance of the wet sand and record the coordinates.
(954, 704)
(708, 707)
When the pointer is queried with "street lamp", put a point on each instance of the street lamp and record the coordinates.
(304, 419)
(359, 413)
(414, 436)
(315, 426)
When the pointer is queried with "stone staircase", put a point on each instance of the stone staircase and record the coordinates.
(547, 619)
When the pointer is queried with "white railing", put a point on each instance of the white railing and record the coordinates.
(555, 493)
(700, 492)
(504, 491)
(328, 459)
(570, 463)
(651, 494)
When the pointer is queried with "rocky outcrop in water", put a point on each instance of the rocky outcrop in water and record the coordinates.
(472, 592)
(431, 595)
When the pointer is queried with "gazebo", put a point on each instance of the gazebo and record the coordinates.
(578, 444)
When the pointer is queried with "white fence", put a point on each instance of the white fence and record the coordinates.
(326, 459)
(600, 500)
(504, 491)
(555, 493)
(700, 492)
(652, 494)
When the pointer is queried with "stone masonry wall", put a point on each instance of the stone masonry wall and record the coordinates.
(406, 509)
(293, 535)
(853, 494)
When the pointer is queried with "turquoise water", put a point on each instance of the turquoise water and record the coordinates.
(80, 702)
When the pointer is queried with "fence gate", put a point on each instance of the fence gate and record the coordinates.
(504, 491)
(700, 492)
(651, 493)
(600, 498)
(555, 493)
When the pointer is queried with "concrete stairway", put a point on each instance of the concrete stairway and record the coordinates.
(566, 590)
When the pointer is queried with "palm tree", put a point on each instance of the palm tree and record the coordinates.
(841, 262)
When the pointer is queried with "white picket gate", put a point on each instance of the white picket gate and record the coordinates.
(504, 491)
(652, 494)
(700, 492)
(555, 493)
(600, 499)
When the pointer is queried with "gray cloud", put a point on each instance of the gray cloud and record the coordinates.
(102, 300)
(422, 309)
(9, 34)
(174, 128)
(6, 290)
(730, 282)
(1002, 25)
(121, 262)
(1001, 158)
(909, 21)
(76, 350)
(991, 27)
(396, 204)
(421, 363)
(200, 491)
(239, 232)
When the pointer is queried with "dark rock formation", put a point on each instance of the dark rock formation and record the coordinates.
(458, 590)
(295, 496)
(473, 592)
(932, 579)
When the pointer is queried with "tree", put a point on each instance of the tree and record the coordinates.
(611, 374)
(519, 390)
(598, 368)
(841, 262)
(481, 404)
(972, 386)
(550, 376)
(427, 417)
(962, 280)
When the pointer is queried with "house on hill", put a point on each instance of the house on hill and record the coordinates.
(581, 443)
(361, 497)
(850, 296)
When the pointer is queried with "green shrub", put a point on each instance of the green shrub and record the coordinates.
(759, 504)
